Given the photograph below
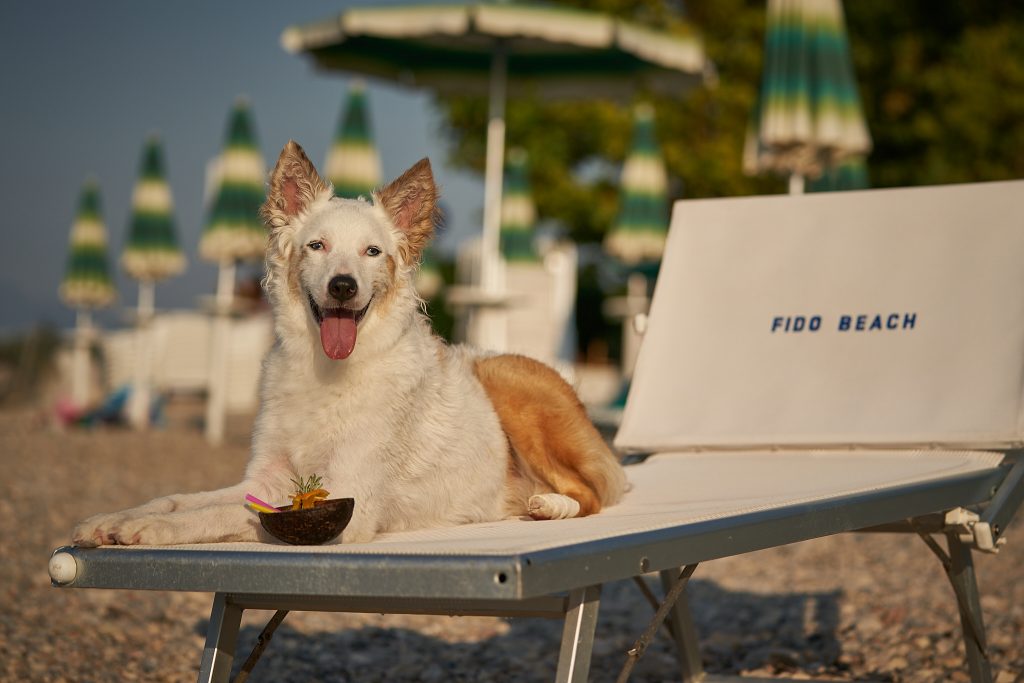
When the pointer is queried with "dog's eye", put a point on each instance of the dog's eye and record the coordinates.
(316, 245)
(373, 251)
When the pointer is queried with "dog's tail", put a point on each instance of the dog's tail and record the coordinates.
(552, 438)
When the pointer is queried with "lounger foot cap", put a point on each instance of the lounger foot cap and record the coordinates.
(63, 568)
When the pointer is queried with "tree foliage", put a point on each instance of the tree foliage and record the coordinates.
(942, 85)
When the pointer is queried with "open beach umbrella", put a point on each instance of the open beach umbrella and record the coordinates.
(233, 233)
(518, 213)
(353, 163)
(496, 49)
(638, 234)
(87, 284)
(151, 253)
(808, 116)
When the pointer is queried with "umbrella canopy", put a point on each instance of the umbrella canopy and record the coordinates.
(87, 283)
(501, 48)
(808, 116)
(518, 213)
(353, 163)
(151, 251)
(638, 234)
(233, 230)
(552, 51)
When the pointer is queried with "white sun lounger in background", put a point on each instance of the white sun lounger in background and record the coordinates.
(812, 365)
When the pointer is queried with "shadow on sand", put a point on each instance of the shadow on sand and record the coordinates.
(739, 631)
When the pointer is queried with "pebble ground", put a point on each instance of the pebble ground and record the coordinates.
(853, 607)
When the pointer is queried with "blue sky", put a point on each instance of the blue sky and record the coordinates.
(84, 83)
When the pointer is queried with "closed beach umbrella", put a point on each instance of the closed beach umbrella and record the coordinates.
(638, 234)
(233, 233)
(850, 173)
(87, 284)
(496, 49)
(151, 253)
(233, 230)
(353, 163)
(518, 212)
(808, 117)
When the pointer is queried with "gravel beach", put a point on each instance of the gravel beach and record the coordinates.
(852, 607)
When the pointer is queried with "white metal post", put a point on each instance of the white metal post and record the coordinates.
(488, 323)
(216, 402)
(138, 405)
(80, 359)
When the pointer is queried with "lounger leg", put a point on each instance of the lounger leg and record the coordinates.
(578, 635)
(221, 638)
(683, 632)
(961, 574)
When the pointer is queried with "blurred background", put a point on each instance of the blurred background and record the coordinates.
(124, 124)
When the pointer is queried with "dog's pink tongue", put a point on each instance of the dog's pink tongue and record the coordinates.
(338, 336)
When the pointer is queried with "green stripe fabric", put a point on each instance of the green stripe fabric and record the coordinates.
(518, 212)
(353, 163)
(808, 116)
(550, 49)
(638, 234)
(233, 230)
(151, 251)
(87, 282)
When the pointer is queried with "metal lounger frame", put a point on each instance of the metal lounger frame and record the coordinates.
(563, 582)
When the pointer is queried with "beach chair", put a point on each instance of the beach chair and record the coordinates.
(812, 365)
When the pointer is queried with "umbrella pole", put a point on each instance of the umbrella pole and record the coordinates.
(80, 363)
(216, 403)
(489, 323)
(138, 413)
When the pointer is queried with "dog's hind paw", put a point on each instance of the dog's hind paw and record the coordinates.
(552, 506)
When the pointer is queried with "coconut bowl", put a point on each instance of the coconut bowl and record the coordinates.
(312, 526)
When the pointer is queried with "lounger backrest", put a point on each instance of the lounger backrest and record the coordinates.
(885, 318)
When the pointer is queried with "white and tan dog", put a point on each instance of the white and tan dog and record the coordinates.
(358, 390)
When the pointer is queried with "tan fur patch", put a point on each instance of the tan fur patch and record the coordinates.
(556, 447)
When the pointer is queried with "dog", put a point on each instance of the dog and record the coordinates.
(357, 389)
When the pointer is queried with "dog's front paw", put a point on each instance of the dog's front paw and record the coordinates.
(97, 530)
(149, 530)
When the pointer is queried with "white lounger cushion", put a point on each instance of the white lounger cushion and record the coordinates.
(671, 490)
(937, 272)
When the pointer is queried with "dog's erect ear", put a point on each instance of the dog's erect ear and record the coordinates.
(411, 203)
(294, 184)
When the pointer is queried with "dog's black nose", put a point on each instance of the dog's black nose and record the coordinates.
(342, 287)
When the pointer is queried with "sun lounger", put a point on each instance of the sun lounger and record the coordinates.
(812, 365)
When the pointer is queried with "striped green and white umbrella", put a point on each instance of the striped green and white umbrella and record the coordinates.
(808, 116)
(353, 163)
(233, 230)
(500, 48)
(518, 212)
(851, 173)
(87, 283)
(638, 234)
(151, 252)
